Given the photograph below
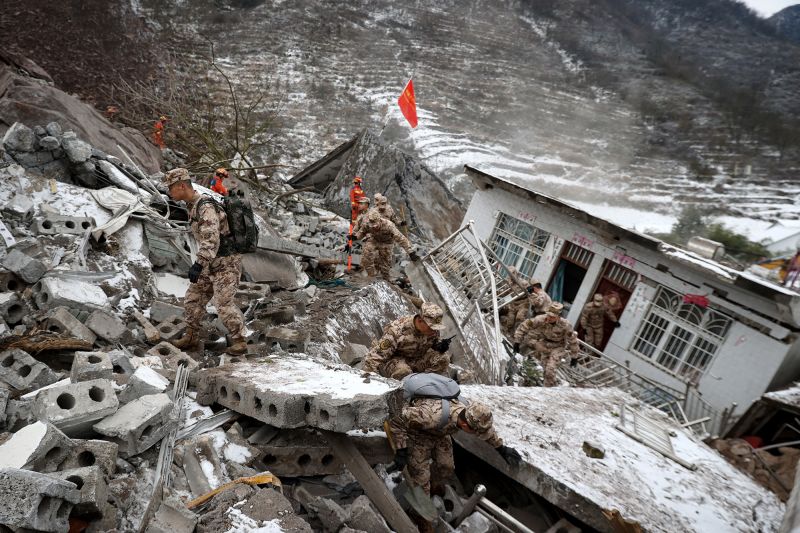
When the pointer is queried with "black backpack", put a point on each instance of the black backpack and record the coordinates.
(426, 385)
(243, 236)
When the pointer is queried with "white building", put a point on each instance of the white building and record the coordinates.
(743, 343)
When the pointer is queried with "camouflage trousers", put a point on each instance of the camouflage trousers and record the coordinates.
(376, 258)
(219, 279)
(430, 457)
(549, 358)
(594, 336)
(400, 367)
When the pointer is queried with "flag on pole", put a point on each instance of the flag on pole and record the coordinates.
(408, 104)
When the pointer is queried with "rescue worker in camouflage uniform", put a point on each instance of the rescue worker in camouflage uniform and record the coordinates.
(378, 235)
(592, 317)
(536, 304)
(411, 344)
(386, 211)
(211, 275)
(423, 441)
(548, 337)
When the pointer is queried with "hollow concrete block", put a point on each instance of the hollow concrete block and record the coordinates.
(74, 408)
(61, 225)
(61, 321)
(55, 292)
(171, 357)
(35, 501)
(106, 325)
(143, 382)
(87, 366)
(172, 328)
(12, 309)
(9, 282)
(90, 482)
(29, 269)
(138, 425)
(92, 452)
(22, 372)
(286, 339)
(38, 446)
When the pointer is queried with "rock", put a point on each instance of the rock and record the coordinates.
(365, 518)
(53, 129)
(49, 143)
(593, 450)
(77, 151)
(476, 523)
(19, 138)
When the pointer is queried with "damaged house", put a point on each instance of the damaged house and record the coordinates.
(688, 323)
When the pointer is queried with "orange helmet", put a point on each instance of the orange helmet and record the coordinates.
(221, 172)
(163, 118)
(357, 179)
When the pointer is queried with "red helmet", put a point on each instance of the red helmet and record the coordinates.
(357, 179)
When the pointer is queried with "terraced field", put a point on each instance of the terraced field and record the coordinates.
(493, 90)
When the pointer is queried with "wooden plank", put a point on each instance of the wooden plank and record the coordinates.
(373, 486)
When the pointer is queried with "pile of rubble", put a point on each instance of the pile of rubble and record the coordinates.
(774, 471)
(108, 426)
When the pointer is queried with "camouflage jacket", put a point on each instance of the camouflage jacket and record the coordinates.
(539, 302)
(382, 231)
(207, 224)
(424, 416)
(559, 334)
(388, 213)
(592, 315)
(400, 339)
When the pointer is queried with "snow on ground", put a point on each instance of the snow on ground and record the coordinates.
(241, 523)
(548, 427)
(291, 375)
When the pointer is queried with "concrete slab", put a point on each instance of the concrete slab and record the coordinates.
(76, 407)
(87, 366)
(24, 373)
(139, 424)
(39, 446)
(548, 427)
(35, 501)
(90, 482)
(61, 321)
(291, 392)
(74, 294)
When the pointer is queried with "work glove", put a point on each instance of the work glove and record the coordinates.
(413, 256)
(616, 324)
(401, 458)
(442, 345)
(195, 271)
(353, 237)
(516, 347)
(573, 362)
(347, 248)
(510, 455)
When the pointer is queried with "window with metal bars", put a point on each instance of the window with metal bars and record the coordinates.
(679, 337)
(517, 243)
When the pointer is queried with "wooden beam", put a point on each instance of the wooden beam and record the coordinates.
(373, 486)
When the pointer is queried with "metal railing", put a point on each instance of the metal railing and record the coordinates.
(465, 277)
(688, 408)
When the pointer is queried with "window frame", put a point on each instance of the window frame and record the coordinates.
(516, 239)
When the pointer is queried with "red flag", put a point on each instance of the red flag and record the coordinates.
(696, 299)
(408, 104)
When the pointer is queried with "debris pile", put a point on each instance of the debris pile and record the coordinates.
(774, 470)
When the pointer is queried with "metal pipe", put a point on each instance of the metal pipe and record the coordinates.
(503, 517)
(469, 505)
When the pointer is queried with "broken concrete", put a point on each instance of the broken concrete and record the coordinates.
(35, 501)
(161, 311)
(74, 294)
(248, 292)
(285, 339)
(477, 523)
(150, 332)
(106, 325)
(139, 424)
(171, 358)
(364, 517)
(12, 309)
(28, 268)
(87, 366)
(171, 328)
(289, 392)
(90, 482)
(90, 453)
(61, 321)
(172, 517)
(23, 373)
(60, 225)
(121, 366)
(39, 446)
(75, 408)
(143, 382)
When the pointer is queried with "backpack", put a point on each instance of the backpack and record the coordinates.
(243, 236)
(425, 385)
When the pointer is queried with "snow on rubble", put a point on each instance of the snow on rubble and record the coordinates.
(549, 427)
